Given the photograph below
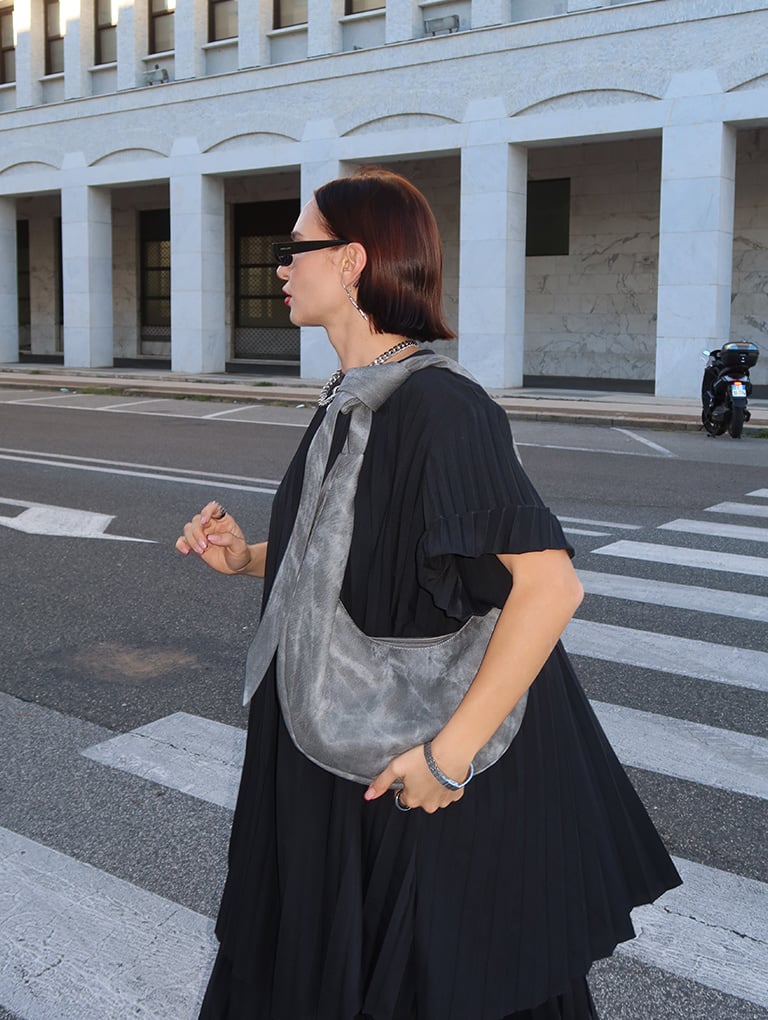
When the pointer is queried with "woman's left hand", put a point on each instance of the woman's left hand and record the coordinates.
(420, 788)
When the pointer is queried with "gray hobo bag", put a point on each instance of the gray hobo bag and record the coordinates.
(350, 702)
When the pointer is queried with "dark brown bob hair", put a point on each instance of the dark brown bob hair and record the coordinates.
(400, 288)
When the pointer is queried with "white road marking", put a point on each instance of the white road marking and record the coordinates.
(62, 522)
(717, 530)
(665, 653)
(128, 403)
(646, 442)
(600, 524)
(37, 400)
(701, 559)
(679, 596)
(78, 942)
(713, 929)
(583, 531)
(119, 409)
(745, 509)
(760, 493)
(223, 414)
(702, 754)
(584, 449)
(66, 457)
(206, 482)
(197, 756)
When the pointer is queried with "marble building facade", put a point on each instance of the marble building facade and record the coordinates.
(653, 115)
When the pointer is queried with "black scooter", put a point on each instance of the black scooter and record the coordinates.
(726, 387)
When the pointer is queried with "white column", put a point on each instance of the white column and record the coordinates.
(404, 20)
(86, 259)
(190, 33)
(489, 12)
(254, 21)
(492, 262)
(318, 358)
(78, 23)
(698, 169)
(30, 53)
(9, 284)
(198, 333)
(324, 27)
(43, 280)
(132, 42)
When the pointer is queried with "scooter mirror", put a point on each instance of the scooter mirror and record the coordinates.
(705, 353)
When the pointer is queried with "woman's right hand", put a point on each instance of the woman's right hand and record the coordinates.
(217, 540)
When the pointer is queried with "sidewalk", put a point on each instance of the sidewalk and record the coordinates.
(595, 407)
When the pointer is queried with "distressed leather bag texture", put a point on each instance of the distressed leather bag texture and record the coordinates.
(351, 702)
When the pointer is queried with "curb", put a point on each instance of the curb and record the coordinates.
(263, 391)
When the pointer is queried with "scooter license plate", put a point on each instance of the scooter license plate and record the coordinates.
(738, 389)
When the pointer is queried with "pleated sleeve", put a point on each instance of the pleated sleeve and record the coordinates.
(478, 502)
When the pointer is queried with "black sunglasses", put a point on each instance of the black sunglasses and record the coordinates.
(285, 250)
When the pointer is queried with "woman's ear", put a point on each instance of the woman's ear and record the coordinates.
(353, 262)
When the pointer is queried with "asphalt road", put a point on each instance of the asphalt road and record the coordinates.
(105, 629)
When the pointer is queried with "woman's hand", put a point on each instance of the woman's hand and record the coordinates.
(217, 540)
(420, 788)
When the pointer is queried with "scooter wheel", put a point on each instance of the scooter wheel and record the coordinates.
(711, 427)
(736, 424)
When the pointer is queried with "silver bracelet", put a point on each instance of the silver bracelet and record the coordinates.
(446, 781)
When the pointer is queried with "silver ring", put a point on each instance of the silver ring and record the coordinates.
(399, 804)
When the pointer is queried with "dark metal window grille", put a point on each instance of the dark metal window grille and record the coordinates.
(155, 270)
(263, 329)
(548, 217)
(290, 12)
(54, 38)
(22, 271)
(222, 20)
(161, 17)
(361, 6)
(7, 46)
(106, 33)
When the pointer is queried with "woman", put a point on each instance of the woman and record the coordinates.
(338, 905)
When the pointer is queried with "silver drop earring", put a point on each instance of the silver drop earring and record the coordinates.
(354, 303)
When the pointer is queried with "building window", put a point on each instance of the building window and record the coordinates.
(290, 12)
(222, 20)
(548, 217)
(263, 329)
(155, 273)
(361, 6)
(106, 32)
(54, 38)
(7, 46)
(161, 14)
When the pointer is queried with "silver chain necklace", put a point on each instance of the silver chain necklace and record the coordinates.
(328, 392)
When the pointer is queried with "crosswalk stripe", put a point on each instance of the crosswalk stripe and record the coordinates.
(202, 758)
(715, 529)
(196, 756)
(701, 559)
(583, 531)
(703, 660)
(760, 493)
(599, 524)
(78, 942)
(678, 596)
(743, 509)
(721, 758)
(111, 949)
(713, 929)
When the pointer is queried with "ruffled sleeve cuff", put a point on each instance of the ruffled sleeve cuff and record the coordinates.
(450, 552)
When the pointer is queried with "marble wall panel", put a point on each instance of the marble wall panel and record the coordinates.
(749, 299)
(593, 312)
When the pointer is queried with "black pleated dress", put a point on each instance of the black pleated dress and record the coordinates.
(336, 908)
